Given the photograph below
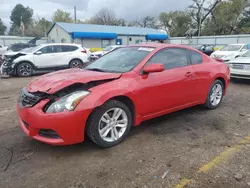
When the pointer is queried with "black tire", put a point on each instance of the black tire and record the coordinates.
(94, 119)
(209, 103)
(24, 70)
(76, 63)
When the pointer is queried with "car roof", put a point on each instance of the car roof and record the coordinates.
(62, 44)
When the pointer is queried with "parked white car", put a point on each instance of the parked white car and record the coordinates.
(46, 57)
(240, 67)
(2, 49)
(98, 54)
(230, 52)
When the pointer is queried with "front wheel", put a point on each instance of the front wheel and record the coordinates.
(215, 95)
(109, 124)
(24, 70)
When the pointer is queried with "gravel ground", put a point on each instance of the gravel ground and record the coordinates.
(180, 143)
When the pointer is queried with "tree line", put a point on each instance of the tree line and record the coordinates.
(209, 17)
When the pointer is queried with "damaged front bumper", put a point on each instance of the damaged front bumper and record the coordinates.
(7, 69)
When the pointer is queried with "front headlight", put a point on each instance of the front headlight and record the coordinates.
(230, 65)
(68, 102)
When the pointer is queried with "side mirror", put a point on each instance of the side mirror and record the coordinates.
(156, 67)
(38, 53)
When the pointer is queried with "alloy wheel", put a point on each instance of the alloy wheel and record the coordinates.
(113, 124)
(216, 95)
(25, 70)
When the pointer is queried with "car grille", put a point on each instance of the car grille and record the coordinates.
(27, 99)
(238, 66)
(47, 133)
(241, 66)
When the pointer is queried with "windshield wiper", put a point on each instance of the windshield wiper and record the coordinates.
(96, 69)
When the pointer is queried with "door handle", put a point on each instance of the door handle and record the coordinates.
(189, 74)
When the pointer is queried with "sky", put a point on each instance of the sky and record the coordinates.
(127, 9)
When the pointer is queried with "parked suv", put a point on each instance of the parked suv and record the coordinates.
(46, 57)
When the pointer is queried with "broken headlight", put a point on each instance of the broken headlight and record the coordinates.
(68, 102)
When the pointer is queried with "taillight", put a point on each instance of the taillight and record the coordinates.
(84, 51)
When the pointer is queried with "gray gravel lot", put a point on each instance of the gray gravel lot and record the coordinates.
(180, 143)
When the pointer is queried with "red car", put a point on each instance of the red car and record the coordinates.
(118, 91)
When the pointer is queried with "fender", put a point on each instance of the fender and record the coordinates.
(23, 61)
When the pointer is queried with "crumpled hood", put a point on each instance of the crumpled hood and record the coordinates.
(53, 82)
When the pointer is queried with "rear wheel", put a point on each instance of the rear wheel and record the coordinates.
(215, 95)
(76, 63)
(110, 124)
(24, 70)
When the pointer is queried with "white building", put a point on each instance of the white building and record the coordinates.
(100, 36)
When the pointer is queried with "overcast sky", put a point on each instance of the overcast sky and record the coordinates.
(128, 9)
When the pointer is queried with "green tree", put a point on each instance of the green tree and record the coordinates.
(38, 28)
(225, 18)
(2, 27)
(201, 10)
(18, 14)
(175, 23)
(62, 16)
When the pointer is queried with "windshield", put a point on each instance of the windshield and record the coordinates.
(247, 54)
(231, 48)
(108, 48)
(121, 60)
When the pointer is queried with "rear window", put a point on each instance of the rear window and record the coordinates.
(69, 48)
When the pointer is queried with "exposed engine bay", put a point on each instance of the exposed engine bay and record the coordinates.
(8, 67)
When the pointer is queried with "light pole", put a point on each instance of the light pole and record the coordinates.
(200, 17)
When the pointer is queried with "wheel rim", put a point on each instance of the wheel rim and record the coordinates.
(76, 64)
(216, 94)
(25, 70)
(113, 124)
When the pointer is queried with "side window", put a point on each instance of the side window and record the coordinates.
(171, 58)
(48, 49)
(58, 49)
(69, 48)
(196, 58)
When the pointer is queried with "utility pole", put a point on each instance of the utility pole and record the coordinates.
(200, 17)
(75, 13)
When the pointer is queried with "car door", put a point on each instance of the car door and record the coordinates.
(67, 54)
(46, 57)
(201, 76)
(162, 91)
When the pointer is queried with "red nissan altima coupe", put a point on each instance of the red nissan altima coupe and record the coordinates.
(118, 91)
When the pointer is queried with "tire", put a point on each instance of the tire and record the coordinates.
(76, 63)
(24, 70)
(214, 98)
(95, 125)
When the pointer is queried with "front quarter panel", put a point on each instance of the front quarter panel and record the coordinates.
(102, 93)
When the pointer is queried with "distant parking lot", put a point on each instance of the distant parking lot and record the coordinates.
(191, 148)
